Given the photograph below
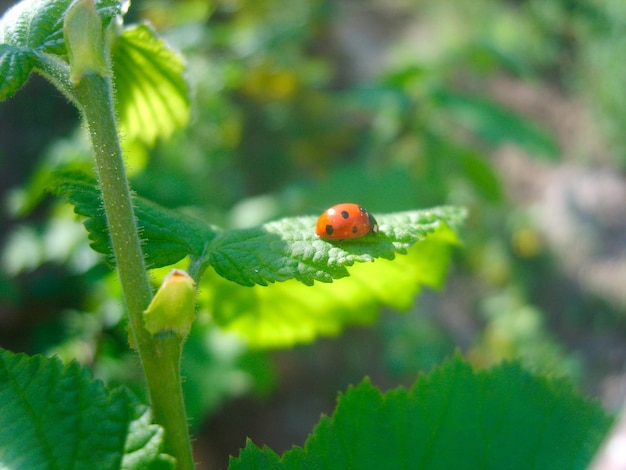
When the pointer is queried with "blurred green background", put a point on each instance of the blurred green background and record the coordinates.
(513, 109)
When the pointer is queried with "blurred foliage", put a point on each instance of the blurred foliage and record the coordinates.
(296, 108)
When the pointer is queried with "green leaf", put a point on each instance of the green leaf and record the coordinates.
(56, 416)
(276, 251)
(16, 63)
(39, 25)
(452, 418)
(290, 249)
(168, 236)
(144, 444)
(254, 458)
(152, 95)
(496, 124)
(31, 29)
(291, 312)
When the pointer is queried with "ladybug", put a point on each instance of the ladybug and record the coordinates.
(346, 220)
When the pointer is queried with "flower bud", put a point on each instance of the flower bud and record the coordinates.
(173, 307)
(82, 31)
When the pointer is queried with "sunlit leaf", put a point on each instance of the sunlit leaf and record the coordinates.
(152, 93)
(290, 312)
(289, 248)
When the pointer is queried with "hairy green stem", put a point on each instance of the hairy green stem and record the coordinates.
(166, 389)
(160, 357)
(95, 96)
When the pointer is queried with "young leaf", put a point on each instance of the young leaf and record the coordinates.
(452, 418)
(152, 94)
(31, 29)
(57, 416)
(290, 312)
(168, 236)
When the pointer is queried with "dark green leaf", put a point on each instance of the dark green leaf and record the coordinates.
(16, 63)
(168, 236)
(56, 416)
(39, 25)
(452, 418)
(31, 29)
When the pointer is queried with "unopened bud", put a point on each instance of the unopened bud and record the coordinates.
(173, 307)
(82, 31)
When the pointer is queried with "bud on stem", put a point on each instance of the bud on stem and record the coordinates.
(173, 307)
(82, 30)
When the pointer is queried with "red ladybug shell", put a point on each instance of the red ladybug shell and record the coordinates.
(344, 221)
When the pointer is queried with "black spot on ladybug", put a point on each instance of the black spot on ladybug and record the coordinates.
(355, 229)
(345, 214)
(329, 229)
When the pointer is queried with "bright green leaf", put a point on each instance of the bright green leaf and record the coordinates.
(487, 55)
(496, 124)
(152, 97)
(56, 416)
(289, 248)
(290, 312)
(452, 418)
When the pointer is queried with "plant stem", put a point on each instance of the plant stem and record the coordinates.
(160, 357)
(95, 97)
(166, 389)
